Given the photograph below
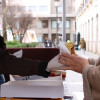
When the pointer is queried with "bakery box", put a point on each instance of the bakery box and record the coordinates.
(40, 88)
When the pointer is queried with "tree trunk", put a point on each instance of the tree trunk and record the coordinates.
(4, 19)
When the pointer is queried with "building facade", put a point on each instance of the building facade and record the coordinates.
(88, 23)
(47, 16)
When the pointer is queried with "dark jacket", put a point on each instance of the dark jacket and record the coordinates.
(9, 64)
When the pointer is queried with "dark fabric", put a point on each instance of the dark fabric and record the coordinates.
(9, 64)
(42, 69)
(7, 77)
(2, 44)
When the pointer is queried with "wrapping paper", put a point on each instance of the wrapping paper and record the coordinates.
(63, 47)
(53, 63)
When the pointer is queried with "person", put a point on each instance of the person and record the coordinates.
(90, 70)
(10, 64)
(47, 42)
(3, 46)
(82, 45)
(55, 42)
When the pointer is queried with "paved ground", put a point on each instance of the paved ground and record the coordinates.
(73, 82)
(87, 54)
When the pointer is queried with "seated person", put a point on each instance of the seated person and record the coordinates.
(90, 70)
(10, 64)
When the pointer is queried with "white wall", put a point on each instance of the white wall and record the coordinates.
(87, 25)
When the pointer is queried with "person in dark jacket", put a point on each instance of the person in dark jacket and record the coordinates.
(10, 64)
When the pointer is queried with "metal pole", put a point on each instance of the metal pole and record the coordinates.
(64, 22)
(57, 25)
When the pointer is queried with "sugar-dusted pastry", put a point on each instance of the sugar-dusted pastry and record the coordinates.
(70, 46)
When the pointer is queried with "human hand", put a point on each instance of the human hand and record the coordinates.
(54, 64)
(74, 62)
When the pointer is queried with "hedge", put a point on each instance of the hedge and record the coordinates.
(16, 44)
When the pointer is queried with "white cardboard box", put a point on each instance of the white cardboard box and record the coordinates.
(41, 88)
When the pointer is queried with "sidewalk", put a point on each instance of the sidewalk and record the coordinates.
(87, 54)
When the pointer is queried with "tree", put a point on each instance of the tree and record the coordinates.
(4, 19)
(25, 20)
(17, 21)
(10, 18)
(19, 24)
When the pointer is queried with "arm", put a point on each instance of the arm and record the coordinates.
(92, 61)
(91, 73)
(9, 64)
(91, 80)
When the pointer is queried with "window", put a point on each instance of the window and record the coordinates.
(97, 27)
(42, 24)
(32, 8)
(21, 9)
(45, 23)
(39, 38)
(39, 24)
(88, 30)
(67, 36)
(85, 1)
(54, 24)
(59, 9)
(43, 8)
(67, 24)
(11, 9)
(92, 29)
(60, 24)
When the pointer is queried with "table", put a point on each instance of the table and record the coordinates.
(29, 99)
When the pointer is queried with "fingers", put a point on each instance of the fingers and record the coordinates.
(65, 58)
(66, 55)
(67, 62)
(74, 55)
(66, 68)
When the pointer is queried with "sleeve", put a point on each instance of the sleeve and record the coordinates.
(91, 78)
(9, 64)
(86, 85)
(92, 61)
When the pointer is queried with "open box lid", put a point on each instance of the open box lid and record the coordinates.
(50, 81)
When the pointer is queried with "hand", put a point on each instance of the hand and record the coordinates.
(74, 62)
(54, 64)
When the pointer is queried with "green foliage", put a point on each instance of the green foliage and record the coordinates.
(17, 44)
